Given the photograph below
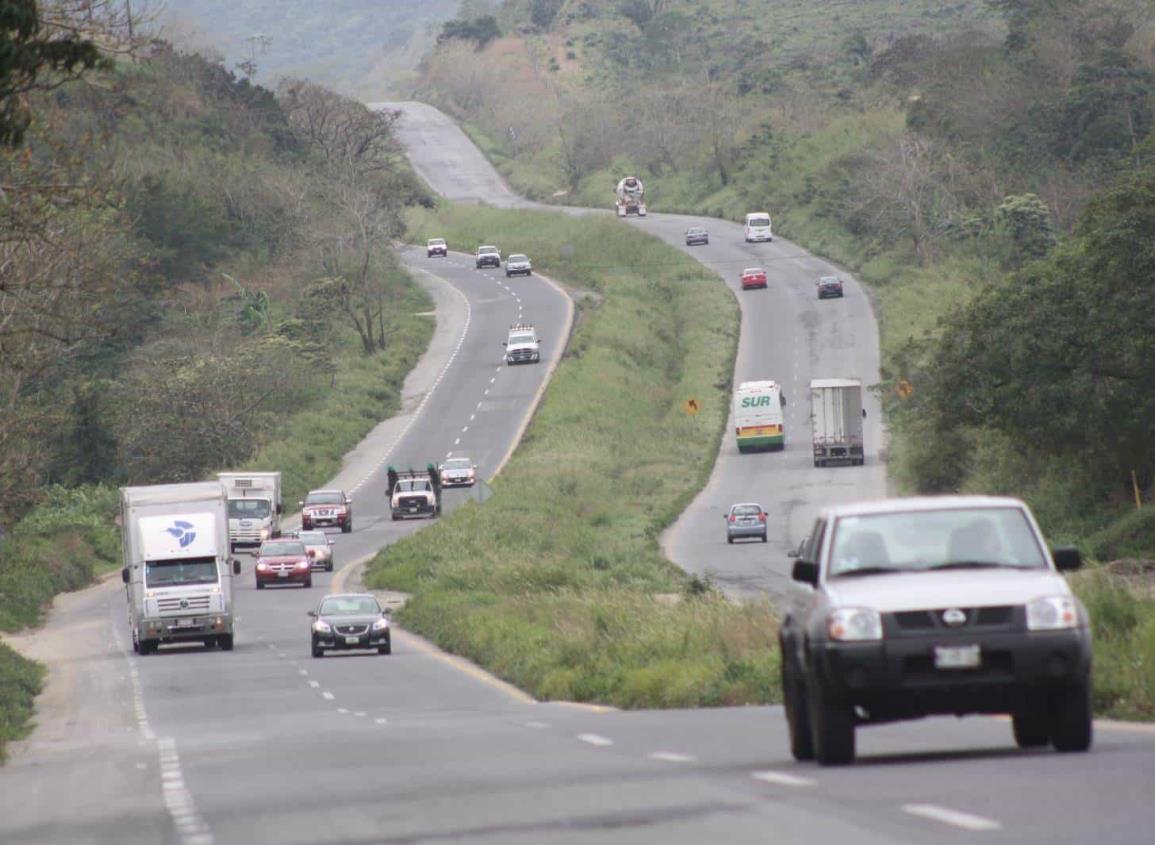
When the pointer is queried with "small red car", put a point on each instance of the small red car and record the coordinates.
(283, 562)
(326, 508)
(753, 277)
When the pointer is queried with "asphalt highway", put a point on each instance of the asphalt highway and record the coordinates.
(268, 745)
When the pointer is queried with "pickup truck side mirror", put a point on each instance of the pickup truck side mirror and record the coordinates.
(1067, 558)
(236, 567)
(805, 572)
(124, 575)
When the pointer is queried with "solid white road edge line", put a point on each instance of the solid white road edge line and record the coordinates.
(672, 757)
(955, 818)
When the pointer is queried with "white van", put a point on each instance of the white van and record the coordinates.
(758, 419)
(758, 227)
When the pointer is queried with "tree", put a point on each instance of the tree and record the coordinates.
(1026, 220)
(641, 12)
(479, 30)
(33, 58)
(341, 130)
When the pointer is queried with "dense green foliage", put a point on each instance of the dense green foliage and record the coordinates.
(551, 583)
(20, 682)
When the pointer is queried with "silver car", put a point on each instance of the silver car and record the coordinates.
(319, 548)
(745, 520)
(518, 264)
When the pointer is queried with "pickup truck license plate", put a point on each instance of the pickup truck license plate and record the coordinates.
(352, 640)
(957, 657)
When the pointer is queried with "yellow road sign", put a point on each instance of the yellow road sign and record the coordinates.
(691, 406)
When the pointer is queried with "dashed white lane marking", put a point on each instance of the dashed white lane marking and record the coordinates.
(486, 392)
(380, 721)
(428, 394)
(672, 757)
(177, 798)
(492, 380)
(343, 710)
(783, 779)
(457, 442)
(536, 724)
(596, 739)
(955, 818)
(328, 696)
(464, 429)
(472, 417)
(361, 713)
(304, 673)
(315, 684)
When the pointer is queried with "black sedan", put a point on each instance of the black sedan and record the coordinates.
(346, 621)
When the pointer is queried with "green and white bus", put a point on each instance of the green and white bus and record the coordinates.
(758, 420)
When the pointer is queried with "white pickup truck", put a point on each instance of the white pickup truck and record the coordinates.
(523, 346)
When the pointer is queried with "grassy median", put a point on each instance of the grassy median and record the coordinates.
(557, 583)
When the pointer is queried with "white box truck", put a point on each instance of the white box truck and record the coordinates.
(758, 419)
(177, 569)
(254, 506)
(836, 419)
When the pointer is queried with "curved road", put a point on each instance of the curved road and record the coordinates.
(266, 745)
(787, 335)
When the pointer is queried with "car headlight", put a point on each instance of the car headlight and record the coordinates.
(322, 627)
(262, 566)
(1052, 613)
(381, 625)
(854, 624)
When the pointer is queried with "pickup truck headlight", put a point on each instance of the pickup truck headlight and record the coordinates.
(1052, 613)
(322, 627)
(854, 624)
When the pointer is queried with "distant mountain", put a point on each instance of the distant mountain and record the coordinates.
(363, 48)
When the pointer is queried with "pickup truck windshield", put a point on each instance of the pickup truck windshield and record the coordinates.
(174, 573)
(249, 508)
(410, 486)
(324, 499)
(521, 337)
(917, 541)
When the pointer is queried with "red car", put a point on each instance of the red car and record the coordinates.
(753, 277)
(327, 508)
(283, 562)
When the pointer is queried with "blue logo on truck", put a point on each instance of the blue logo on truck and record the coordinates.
(183, 531)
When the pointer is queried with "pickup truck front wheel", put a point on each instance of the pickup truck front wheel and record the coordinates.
(831, 727)
(797, 717)
(1071, 728)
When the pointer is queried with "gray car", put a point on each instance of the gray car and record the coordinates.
(744, 521)
(518, 264)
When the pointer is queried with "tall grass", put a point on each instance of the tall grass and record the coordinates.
(557, 582)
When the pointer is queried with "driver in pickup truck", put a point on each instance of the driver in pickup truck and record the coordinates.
(977, 541)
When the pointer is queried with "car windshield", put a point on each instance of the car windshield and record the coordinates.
(350, 606)
(759, 221)
(696, 231)
(916, 541)
(829, 280)
(282, 548)
(249, 508)
(485, 250)
(459, 463)
(313, 538)
(753, 271)
(518, 258)
(323, 499)
(173, 573)
(747, 510)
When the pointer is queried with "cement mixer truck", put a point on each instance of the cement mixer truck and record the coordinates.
(631, 197)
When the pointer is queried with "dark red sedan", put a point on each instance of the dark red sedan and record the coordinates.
(753, 277)
(283, 562)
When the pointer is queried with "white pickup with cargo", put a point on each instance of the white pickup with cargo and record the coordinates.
(254, 506)
(836, 419)
(177, 569)
(758, 418)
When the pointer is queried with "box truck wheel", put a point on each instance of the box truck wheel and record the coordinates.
(147, 647)
(225, 641)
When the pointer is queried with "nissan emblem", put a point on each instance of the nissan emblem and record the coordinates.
(954, 617)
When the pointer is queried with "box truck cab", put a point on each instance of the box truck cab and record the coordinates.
(758, 419)
(177, 569)
(255, 508)
(758, 227)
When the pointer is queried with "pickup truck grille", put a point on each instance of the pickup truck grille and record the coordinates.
(172, 606)
(411, 501)
(519, 356)
(931, 620)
